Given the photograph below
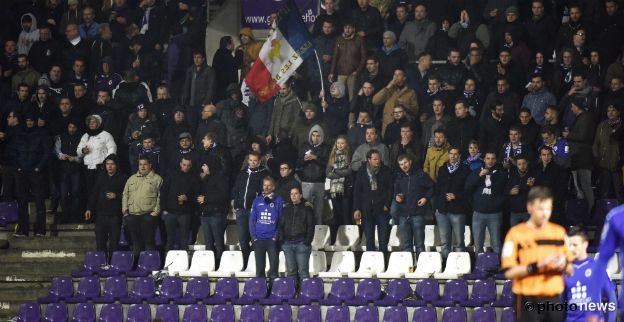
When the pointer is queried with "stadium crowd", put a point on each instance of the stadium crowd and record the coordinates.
(109, 109)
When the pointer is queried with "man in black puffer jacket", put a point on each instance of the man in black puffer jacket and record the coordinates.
(311, 169)
(213, 207)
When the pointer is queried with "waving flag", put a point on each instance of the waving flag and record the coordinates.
(285, 49)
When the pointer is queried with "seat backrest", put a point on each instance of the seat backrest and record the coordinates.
(195, 313)
(222, 312)
(171, 287)
(509, 315)
(613, 266)
(398, 288)
(337, 314)
(149, 261)
(487, 262)
(281, 267)
(372, 262)
(318, 261)
(312, 288)
(255, 288)
(283, 288)
(369, 289)
(366, 314)
(321, 237)
(232, 261)
(111, 313)
(309, 313)
(251, 263)
(484, 314)
(347, 235)
(432, 237)
(167, 313)
(400, 262)
(429, 262)
(343, 288)
(62, 286)
(231, 235)
(116, 286)
(280, 313)
(226, 288)
(394, 240)
(395, 314)
(458, 263)
(252, 313)
(454, 314)
(93, 260)
(122, 261)
(198, 287)
(343, 262)
(425, 314)
(428, 289)
(143, 287)
(28, 312)
(176, 260)
(506, 293)
(139, 313)
(456, 290)
(484, 290)
(83, 312)
(203, 261)
(88, 286)
(56, 312)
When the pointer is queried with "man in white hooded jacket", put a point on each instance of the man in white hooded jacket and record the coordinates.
(95, 145)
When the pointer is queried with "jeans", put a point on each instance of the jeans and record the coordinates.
(70, 196)
(412, 233)
(451, 227)
(493, 224)
(244, 237)
(314, 192)
(107, 232)
(382, 221)
(261, 249)
(142, 229)
(30, 182)
(582, 183)
(177, 227)
(214, 227)
(297, 260)
(516, 218)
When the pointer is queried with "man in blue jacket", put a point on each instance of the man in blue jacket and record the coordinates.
(263, 227)
(487, 186)
(413, 188)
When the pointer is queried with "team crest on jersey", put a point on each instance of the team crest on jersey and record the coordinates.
(588, 272)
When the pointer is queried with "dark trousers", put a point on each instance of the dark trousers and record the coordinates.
(90, 178)
(9, 183)
(342, 213)
(177, 226)
(611, 184)
(214, 227)
(382, 222)
(70, 196)
(261, 249)
(107, 232)
(244, 237)
(528, 309)
(31, 182)
(142, 230)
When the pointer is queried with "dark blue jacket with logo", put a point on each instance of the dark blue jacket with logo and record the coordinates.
(264, 217)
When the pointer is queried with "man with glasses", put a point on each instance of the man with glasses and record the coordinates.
(287, 180)
(393, 130)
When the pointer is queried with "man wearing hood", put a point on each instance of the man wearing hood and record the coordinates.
(416, 33)
(311, 169)
(199, 86)
(336, 110)
(45, 51)
(250, 48)
(175, 125)
(95, 145)
(286, 109)
(372, 142)
(234, 115)
(29, 34)
(25, 73)
(65, 150)
(106, 78)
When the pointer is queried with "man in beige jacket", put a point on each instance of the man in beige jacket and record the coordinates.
(396, 93)
(141, 206)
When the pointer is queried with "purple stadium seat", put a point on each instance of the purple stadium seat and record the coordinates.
(226, 290)
(486, 265)
(195, 313)
(455, 291)
(170, 290)
(222, 313)
(115, 288)
(84, 312)
(337, 314)
(427, 291)
(311, 291)
(93, 261)
(576, 211)
(397, 290)
(56, 312)
(484, 314)
(395, 314)
(506, 298)
(143, 289)
(309, 313)
(111, 313)
(342, 289)
(509, 315)
(121, 263)
(8, 212)
(62, 288)
(483, 291)
(425, 314)
(454, 314)
(167, 313)
(139, 313)
(368, 291)
(88, 289)
(254, 290)
(149, 261)
(197, 290)
(366, 314)
(280, 313)
(283, 289)
(123, 240)
(252, 313)
(28, 312)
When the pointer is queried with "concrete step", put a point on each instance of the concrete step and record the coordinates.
(39, 256)
(24, 292)
(48, 243)
(9, 309)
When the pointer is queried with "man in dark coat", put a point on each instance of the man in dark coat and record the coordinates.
(199, 86)
(368, 24)
(226, 66)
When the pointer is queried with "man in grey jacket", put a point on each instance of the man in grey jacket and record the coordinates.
(372, 142)
(416, 33)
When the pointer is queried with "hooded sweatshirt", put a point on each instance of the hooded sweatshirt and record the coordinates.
(27, 37)
(100, 144)
(313, 170)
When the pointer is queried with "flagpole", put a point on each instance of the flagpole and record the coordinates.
(320, 73)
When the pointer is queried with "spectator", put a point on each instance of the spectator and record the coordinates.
(324, 43)
(24, 74)
(288, 179)
(286, 108)
(392, 57)
(105, 204)
(357, 133)
(438, 121)
(418, 76)
(453, 73)
(234, 115)
(130, 93)
(550, 175)
(521, 180)
(608, 154)
(538, 99)
(65, 150)
(609, 33)
(396, 25)
(440, 43)
(105, 78)
(528, 128)
(373, 75)
(101, 47)
(141, 124)
(178, 192)
(259, 117)
(348, 58)
(340, 184)
(29, 34)
(372, 195)
(336, 110)
(88, 28)
(103, 108)
(416, 33)
(363, 102)
(406, 144)
(296, 231)
(413, 188)
(53, 80)
(45, 51)
(562, 76)
(551, 118)
(472, 97)
(213, 206)
(568, 29)
(150, 150)
(478, 68)
(74, 47)
(437, 154)
(541, 28)
(451, 202)
(264, 218)
(141, 207)
(462, 129)
(368, 24)
(393, 130)
(210, 122)
(558, 145)
(95, 145)
(163, 108)
(433, 92)
(199, 86)
(508, 98)
(581, 93)
(226, 66)
(396, 93)
(184, 147)
(311, 164)
(487, 189)
(506, 67)
(372, 143)
(153, 24)
(250, 48)
(541, 66)
(493, 128)
(331, 14)
(513, 148)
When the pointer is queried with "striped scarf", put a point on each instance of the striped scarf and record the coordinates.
(337, 185)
